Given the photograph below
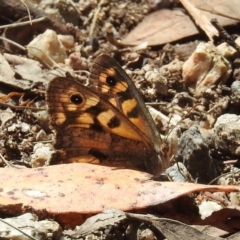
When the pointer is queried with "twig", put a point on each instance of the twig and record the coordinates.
(214, 181)
(21, 107)
(29, 15)
(222, 33)
(94, 21)
(19, 24)
(13, 43)
(5, 161)
(18, 229)
(200, 19)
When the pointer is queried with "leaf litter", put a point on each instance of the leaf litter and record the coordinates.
(68, 193)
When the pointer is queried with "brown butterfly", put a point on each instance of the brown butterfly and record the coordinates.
(107, 120)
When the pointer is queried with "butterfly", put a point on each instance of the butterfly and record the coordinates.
(107, 120)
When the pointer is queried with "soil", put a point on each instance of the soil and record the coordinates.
(24, 126)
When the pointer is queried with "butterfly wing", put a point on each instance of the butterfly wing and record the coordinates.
(108, 77)
(87, 124)
(110, 119)
(73, 104)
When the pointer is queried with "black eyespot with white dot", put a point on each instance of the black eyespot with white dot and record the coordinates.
(111, 81)
(76, 99)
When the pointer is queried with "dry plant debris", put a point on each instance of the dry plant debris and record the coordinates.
(72, 191)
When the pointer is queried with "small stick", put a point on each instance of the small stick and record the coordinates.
(94, 21)
(223, 33)
(19, 24)
(21, 107)
(5, 161)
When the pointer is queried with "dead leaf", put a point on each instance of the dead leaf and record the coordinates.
(235, 236)
(67, 191)
(108, 217)
(6, 115)
(7, 74)
(161, 27)
(171, 229)
(29, 70)
(166, 26)
(224, 11)
(226, 219)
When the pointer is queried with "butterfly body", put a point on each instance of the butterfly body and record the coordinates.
(107, 120)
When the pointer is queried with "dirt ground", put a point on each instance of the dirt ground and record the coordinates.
(190, 87)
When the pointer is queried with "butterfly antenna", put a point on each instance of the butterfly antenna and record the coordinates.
(180, 121)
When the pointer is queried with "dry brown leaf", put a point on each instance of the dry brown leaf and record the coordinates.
(161, 27)
(68, 191)
(108, 217)
(6, 115)
(7, 74)
(172, 229)
(168, 227)
(224, 11)
(29, 70)
(235, 236)
(225, 220)
(166, 26)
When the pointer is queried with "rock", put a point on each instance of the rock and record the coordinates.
(29, 224)
(195, 155)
